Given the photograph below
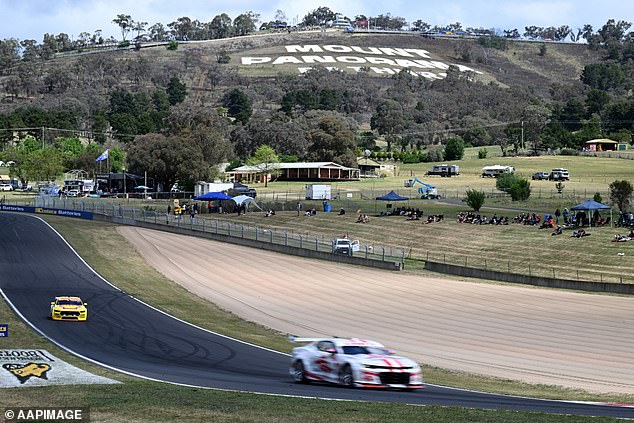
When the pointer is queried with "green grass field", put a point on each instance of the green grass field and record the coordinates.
(142, 401)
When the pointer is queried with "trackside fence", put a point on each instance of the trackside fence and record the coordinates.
(372, 255)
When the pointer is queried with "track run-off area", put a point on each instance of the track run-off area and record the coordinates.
(541, 335)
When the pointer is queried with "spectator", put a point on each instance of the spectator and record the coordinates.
(557, 214)
(342, 211)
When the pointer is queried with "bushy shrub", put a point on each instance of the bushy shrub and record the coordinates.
(569, 152)
(474, 199)
(520, 190)
(597, 197)
(482, 153)
(411, 158)
(124, 44)
(505, 181)
(172, 45)
(454, 149)
(435, 153)
(518, 187)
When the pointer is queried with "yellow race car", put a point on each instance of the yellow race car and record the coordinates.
(69, 308)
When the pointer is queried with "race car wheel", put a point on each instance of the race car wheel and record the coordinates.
(299, 374)
(345, 377)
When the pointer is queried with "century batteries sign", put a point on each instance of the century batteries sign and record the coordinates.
(47, 210)
(378, 60)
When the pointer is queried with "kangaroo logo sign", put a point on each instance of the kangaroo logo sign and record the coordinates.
(377, 60)
(26, 371)
(41, 368)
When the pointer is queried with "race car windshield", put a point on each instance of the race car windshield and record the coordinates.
(354, 350)
(69, 302)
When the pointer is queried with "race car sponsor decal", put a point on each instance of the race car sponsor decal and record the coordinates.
(39, 368)
(4, 330)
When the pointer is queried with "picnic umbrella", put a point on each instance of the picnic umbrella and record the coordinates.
(591, 206)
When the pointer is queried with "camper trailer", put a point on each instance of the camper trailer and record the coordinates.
(444, 170)
(496, 170)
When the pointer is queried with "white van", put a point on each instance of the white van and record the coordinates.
(559, 174)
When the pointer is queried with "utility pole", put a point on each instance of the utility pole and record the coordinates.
(523, 136)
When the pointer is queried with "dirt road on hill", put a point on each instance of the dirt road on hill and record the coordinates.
(535, 335)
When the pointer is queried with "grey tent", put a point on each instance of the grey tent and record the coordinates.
(590, 206)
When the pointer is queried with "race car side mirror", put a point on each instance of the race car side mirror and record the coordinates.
(52, 302)
(85, 304)
(331, 350)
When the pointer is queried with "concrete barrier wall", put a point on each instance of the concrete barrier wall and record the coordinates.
(616, 288)
(296, 251)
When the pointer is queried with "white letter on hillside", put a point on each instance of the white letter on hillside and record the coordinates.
(380, 61)
(338, 49)
(395, 52)
(350, 59)
(287, 59)
(255, 60)
(367, 50)
(422, 53)
(304, 49)
(318, 59)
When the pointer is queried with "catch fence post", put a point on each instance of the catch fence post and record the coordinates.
(256, 232)
(383, 257)
(286, 238)
(301, 242)
(271, 235)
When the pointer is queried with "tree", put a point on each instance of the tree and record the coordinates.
(454, 150)
(243, 24)
(319, 16)
(238, 104)
(157, 32)
(266, 159)
(125, 22)
(176, 91)
(474, 199)
(621, 194)
(220, 26)
(520, 190)
(166, 159)
(182, 28)
(332, 141)
(388, 120)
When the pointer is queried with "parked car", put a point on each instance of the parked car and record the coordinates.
(540, 176)
(6, 187)
(239, 189)
(345, 246)
(73, 193)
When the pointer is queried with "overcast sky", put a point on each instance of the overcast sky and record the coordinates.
(30, 19)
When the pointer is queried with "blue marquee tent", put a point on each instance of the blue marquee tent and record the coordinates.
(592, 205)
(392, 196)
(213, 196)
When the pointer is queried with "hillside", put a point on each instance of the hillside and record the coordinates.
(519, 66)
(218, 101)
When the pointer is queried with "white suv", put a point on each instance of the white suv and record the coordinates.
(6, 187)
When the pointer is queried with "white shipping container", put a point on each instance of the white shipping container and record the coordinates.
(203, 188)
(317, 192)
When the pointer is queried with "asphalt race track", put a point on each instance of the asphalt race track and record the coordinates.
(129, 336)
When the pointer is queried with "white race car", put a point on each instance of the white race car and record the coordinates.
(353, 363)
